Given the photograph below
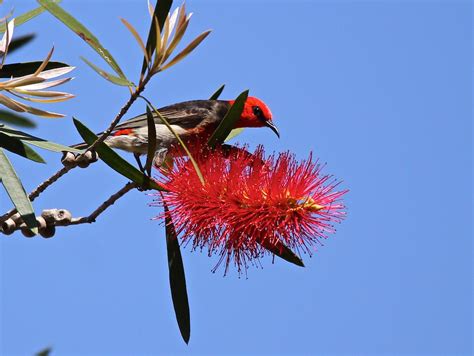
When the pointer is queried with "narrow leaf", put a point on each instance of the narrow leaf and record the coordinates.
(38, 96)
(44, 352)
(43, 113)
(44, 63)
(113, 160)
(12, 104)
(44, 94)
(185, 148)
(110, 77)
(18, 82)
(157, 47)
(56, 72)
(16, 192)
(36, 141)
(217, 93)
(82, 32)
(16, 119)
(229, 121)
(151, 8)
(183, 22)
(20, 41)
(151, 140)
(162, 9)
(16, 146)
(161, 43)
(279, 249)
(6, 39)
(19, 20)
(137, 37)
(20, 107)
(187, 50)
(172, 21)
(16, 70)
(234, 133)
(44, 85)
(5, 42)
(177, 279)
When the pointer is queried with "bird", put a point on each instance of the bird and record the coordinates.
(194, 121)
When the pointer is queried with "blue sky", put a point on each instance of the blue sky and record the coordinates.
(380, 90)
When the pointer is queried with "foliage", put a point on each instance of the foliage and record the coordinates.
(28, 84)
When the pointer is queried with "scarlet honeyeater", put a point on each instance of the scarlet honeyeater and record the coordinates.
(194, 121)
(250, 204)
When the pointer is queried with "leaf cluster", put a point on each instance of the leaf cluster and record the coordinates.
(28, 82)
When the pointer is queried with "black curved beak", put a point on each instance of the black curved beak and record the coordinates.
(272, 126)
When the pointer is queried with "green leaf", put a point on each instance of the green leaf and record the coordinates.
(36, 141)
(229, 121)
(44, 352)
(110, 77)
(162, 9)
(217, 93)
(20, 41)
(234, 133)
(21, 19)
(279, 249)
(66, 18)
(183, 145)
(16, 146)
(16, 119)
(151, 140)
(177, 278)
(113, 160)
(17, 193)
(26, 68)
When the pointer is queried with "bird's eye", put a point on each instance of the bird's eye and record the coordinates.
(258, 112)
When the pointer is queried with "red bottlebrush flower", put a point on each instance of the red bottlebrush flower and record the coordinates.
(248, 201)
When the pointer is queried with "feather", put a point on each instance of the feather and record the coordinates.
(188, 115)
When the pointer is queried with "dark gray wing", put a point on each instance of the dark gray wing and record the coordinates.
(188, 114)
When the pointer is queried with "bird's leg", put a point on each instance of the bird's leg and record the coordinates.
(140, 166)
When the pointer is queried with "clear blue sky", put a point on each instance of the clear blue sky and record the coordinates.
(381, 91)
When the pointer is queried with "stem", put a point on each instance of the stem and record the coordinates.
(54, 220)
(39, 189)
(123, 111)
(105, 205)
(48, 182)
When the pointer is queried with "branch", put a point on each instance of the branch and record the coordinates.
(39, 189)
(84, 156)
(105, 205)
(123, 111)
(51, 218)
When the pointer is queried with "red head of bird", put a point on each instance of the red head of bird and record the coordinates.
(256, 114)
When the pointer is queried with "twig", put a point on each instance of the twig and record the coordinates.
(48, 182)
(123, 111)
(105, 205)
(51, 218)
(39, 189)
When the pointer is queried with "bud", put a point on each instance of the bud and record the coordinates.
(8, 227)
(48, 231)
(69, 159)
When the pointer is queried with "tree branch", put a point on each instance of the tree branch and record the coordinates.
(105, 205)
(48, 182)
(51, 218)
(39, 189)
(123, 111)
